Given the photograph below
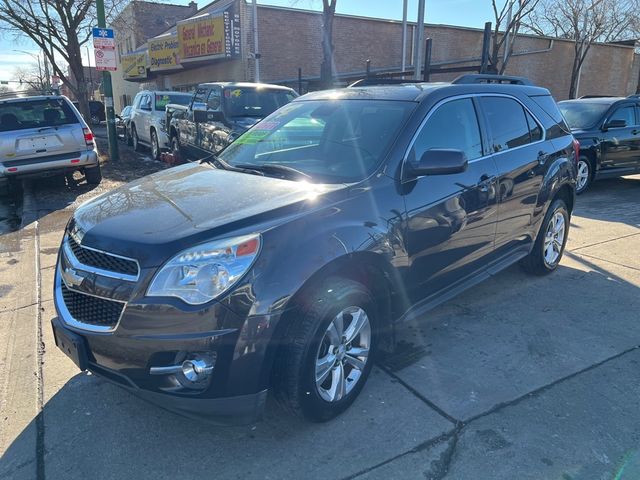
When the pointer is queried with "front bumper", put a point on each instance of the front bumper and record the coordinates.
(34, 166)
(160, 335)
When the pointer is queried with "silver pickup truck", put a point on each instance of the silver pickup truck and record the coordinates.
(42, 135)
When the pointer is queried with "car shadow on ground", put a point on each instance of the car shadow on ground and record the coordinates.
(499, 347)
(612, 200)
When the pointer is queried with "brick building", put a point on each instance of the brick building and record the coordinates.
(139, 21)
(290, 39)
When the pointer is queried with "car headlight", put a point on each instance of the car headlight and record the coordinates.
(200, 274)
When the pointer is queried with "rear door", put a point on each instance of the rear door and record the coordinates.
(621, 146)
(40, 128)
(520, 152)
(450, 219)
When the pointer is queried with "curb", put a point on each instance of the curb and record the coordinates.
(29, 206)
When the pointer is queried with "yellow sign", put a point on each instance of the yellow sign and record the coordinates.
(134, 65)
(163, 53)
(201, 38)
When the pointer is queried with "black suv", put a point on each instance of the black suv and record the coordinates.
(608, 129)
(286, 262)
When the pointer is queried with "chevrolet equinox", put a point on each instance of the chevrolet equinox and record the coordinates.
(284, 263)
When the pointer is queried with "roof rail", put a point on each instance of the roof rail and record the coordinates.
(598, 96)
(371, 81)
(488, 78)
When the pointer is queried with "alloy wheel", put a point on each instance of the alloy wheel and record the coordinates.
(155, 149)
(343, 354)
(583, 175)
(554, 239)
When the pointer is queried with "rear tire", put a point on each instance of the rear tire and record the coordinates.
(95, 119)
(155, 148)
(322, 368)
(134, 139)
(176, 151)
(550, 242)
(93, 175)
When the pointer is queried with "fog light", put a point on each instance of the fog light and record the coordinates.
(196, 369)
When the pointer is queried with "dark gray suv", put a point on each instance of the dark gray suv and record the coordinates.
(285, 263)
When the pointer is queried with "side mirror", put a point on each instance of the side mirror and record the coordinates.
(439, 162)
(614, 124)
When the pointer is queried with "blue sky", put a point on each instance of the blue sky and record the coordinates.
(472, 13)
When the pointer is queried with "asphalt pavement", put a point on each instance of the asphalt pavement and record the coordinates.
(520, 377)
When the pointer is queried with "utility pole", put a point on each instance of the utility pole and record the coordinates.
(418, 48)
(256, 54)
(404, 35)
(108, 95)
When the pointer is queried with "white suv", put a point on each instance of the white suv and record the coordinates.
(45, 134)
(147, 124)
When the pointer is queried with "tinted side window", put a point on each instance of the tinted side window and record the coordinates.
(453, 125)
(136, 101)
(214, 100)
(507, 121)
(201, 95)
(535, 131)
(624, 113)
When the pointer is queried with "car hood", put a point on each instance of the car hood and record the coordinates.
(166, 212)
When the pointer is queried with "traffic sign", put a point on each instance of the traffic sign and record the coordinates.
(106, 59)
(103, 38)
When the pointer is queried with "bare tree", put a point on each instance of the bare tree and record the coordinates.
(327, 70)
(585, 22)
(59, 28)
(32, 77)
(327, 67)
(508, 20)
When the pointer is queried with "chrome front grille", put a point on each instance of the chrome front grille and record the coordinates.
(79, 308)
(101, 260)
(90, 310)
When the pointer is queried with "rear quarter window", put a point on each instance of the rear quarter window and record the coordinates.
(556, 126)
(35, 114)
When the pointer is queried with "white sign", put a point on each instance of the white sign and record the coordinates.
(105, 60)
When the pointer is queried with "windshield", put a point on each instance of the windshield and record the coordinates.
(49, 112)
(162, 99)
(254, 102)
(581, 115)
(332, 141)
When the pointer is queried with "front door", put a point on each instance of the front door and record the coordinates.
(450, 219)
(621, 146)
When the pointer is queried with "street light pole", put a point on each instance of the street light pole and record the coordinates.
(419, 47)
(108, 95)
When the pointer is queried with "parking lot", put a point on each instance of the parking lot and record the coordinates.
(520, 377)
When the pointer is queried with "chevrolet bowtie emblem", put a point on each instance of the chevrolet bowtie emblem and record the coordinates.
(71, 277)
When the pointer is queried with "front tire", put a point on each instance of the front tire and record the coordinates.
(155, 148)
(328, 351)
(585, 175)
(550, 242)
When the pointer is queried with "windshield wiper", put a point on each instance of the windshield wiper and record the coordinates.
(276, 168)
(213, 159)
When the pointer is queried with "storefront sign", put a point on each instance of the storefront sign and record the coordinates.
(134, 65)
(164, 53)
(211, 36)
